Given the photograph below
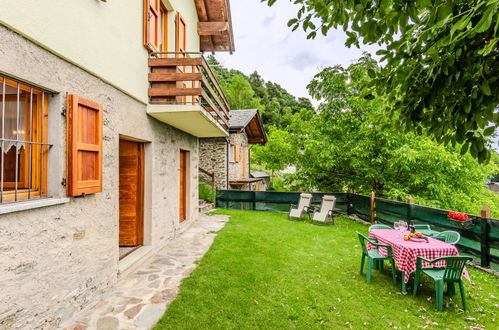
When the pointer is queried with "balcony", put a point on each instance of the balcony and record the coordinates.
(185, 94)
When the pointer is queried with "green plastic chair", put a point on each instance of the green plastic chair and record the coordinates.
(451, 274)
(378, 226)
(374, 256)
(419, 227)
(449, 236)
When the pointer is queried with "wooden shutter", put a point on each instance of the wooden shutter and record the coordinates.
(84, 146)
(151, 24)
(238, 154)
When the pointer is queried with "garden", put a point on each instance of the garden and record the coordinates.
(264, 271)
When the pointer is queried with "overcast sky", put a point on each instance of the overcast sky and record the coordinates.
(264, 43)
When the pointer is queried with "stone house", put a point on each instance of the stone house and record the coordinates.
(102, 107)
(264, 177)
(229, 158)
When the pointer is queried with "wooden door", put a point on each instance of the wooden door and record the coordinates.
(183, 185)
(245, 161)
(131, 193)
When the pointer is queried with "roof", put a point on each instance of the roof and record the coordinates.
(249, 121)
(240, 118)
(215, 25)
(256, 174)
(243, 181)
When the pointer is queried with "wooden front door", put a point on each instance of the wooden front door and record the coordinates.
(131, 230)
(183, 185)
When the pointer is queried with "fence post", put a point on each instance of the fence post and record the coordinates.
(410, 203)
(484, 237)
(373, 208)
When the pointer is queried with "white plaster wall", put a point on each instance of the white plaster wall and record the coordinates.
(55, 260)
(105, 38)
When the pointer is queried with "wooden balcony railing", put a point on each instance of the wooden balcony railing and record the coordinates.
(186, 79)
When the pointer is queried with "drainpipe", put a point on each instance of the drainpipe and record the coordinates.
(227, 143)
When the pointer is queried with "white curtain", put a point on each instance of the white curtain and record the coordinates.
(10, 123)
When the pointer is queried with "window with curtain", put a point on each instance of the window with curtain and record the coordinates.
(23, 141)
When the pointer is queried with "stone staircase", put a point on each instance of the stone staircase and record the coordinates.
(205, 206)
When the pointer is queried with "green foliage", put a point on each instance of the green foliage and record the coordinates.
(275, 104)
(277, 154)
(206, 191)
(264, 272)
(350, 145)
(442, 60)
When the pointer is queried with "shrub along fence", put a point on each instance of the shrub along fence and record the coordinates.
(480, 241)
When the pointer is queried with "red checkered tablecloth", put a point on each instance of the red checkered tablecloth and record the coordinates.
(405, 253)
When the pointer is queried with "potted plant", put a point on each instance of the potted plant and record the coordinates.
(460, 219)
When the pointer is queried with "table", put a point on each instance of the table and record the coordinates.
(405, 253)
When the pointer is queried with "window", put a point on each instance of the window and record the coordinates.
(232, 153)
(163, 30)
(23, 141)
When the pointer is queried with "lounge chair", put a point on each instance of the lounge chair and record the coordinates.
(297, 212)
(325, 213)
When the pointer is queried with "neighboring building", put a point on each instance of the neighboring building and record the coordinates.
(228, 159)
(99, 142)
(264, 180)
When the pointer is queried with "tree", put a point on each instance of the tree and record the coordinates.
(240, 94)
(277, 153)
(442, 60)
(346, 146)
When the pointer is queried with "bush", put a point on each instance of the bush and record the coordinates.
(206, 191)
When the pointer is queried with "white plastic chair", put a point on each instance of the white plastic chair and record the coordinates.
(297, 212)
(325, 213)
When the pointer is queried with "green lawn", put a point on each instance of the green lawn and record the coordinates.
(264, 271)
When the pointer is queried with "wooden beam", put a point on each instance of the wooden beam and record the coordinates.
(188, 61)
(158, 77)
(212, 28)
(175, 91)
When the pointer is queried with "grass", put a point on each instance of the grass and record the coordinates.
(266, 272)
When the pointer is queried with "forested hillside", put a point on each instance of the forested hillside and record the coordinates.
(353, 143)
(275, 104)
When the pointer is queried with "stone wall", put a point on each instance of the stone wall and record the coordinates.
(236, 168)
(213, 158)
(56, 260)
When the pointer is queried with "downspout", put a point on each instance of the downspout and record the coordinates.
(227, 140)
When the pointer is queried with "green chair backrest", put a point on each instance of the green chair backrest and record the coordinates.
(449, 236)
(422, 226)
(378, 226)
(363, 240)
(454, 267)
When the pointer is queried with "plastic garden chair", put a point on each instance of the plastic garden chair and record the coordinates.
(449, 236)
(374, 256)
(378, 226)
(325, 213)
(451, 274)
(419, 227)
(296, 212)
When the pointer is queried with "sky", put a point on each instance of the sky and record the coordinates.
(266, 44)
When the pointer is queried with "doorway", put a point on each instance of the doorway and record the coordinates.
(184, 161)
(131, 192)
